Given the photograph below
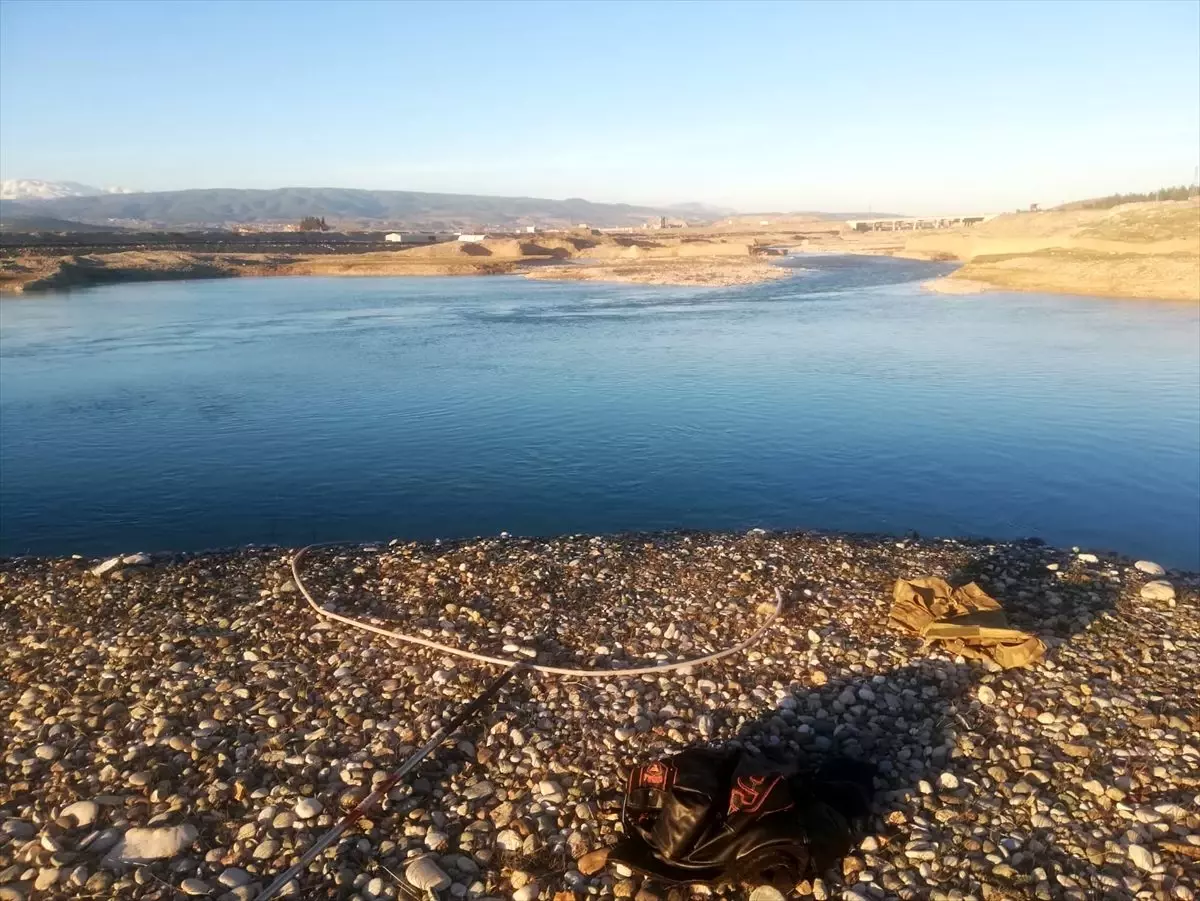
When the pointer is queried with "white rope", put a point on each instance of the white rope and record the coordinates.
(503, 661)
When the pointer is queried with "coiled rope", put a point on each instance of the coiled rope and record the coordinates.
(508, 662)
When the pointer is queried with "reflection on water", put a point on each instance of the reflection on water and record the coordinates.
(201, 414)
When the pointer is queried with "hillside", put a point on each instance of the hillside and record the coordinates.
(1147, 250)
(344, 206)
(30, 222)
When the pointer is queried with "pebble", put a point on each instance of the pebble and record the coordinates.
(46, 878)
(1141, 857)
(426, 875)
(1150, 568)
(106, 567)
(195, 887)
(83, 813)
(527, 892)
(508, 840)
(1158, 590)
(232, 877)
(307, 808)
(593, 862)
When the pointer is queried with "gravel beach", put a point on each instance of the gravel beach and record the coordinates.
(184, 725)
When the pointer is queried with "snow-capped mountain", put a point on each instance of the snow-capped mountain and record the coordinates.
(39, 189)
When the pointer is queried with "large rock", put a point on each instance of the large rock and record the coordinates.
(140, 845)
(84, 813)
(307, 808)
(592, 863)
(425, 874)
(106, 567)
(1150, 568)
(1158, 591)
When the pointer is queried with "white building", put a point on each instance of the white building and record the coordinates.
(413, 237)
(471, 239)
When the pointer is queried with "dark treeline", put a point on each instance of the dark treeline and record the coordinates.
(1182, 192)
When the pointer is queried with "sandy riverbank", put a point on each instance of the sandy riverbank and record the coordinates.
(192, 702)
(1139, 250)
(665, 261)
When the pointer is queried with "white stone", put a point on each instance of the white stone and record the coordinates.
(194, 887)
(232, 877)
(138, 559)
(154, 843)
(1087, 558)
(1150, 568)
(46, 878)
(107, 566)
(766, 893)
(948, 781)
(84, 813)
(551, 791)
(508, 840)
(436, 840)
(986, 695)
(1141, 857)
(425, 874)
(46, 752)
(307, 808)
(1158, 591)
(528, 892)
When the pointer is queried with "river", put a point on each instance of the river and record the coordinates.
(189, 415)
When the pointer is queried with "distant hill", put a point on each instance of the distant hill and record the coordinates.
(25, 223)
(345, 206)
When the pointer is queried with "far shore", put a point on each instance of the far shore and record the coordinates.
(1142, 250)
(696, 262)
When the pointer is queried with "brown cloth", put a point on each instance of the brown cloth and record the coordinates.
(966, 620)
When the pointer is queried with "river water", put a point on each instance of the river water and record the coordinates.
(188, 415)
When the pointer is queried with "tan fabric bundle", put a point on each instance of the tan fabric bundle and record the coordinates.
(966, 620)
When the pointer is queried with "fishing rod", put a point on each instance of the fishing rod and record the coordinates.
(512, 667)
(388, 784)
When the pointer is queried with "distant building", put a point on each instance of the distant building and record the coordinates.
(413, 237)
(531, 229)
(471, 239)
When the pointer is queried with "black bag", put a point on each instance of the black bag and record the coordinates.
(722, 816)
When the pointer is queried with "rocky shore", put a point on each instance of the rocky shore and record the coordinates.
(184, 725)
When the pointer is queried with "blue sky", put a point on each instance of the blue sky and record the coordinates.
(915, 107)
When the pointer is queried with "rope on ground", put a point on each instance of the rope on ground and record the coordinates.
(538, 668)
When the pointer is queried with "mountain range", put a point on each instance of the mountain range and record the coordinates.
(209, 207)
(39, 189)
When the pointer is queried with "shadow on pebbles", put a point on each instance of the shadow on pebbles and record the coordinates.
(185, 725)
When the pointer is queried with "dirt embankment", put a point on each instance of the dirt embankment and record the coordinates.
(1142, 250)
(672, 260)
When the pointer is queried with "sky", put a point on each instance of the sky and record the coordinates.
(847, 106)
